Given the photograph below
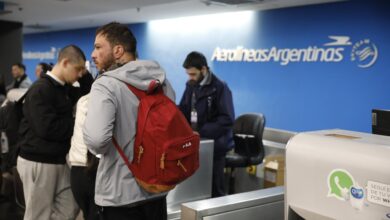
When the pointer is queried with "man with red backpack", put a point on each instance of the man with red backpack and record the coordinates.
(112, 118)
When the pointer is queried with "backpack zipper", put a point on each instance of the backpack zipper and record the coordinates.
(181, 165)
(162, 159)
(140, 152)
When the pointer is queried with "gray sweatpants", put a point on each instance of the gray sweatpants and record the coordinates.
(46, 191)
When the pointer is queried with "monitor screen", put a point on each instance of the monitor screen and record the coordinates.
(381, 122)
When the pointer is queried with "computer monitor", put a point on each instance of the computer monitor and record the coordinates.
(381, 122)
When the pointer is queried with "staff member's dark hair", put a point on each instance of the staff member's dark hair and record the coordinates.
(195, 59)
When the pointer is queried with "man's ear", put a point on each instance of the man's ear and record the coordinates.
(64, 62)
(204, 70)
(118, 51)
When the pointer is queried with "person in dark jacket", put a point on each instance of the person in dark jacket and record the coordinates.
(80, 88)
(21, 80)
(46, 129)
(41, 69)
(208, 106)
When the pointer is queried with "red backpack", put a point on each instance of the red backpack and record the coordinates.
(166, 150)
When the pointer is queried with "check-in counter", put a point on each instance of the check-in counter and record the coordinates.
(198, 186)
(338, 174)
(260, 204)
(275, 140)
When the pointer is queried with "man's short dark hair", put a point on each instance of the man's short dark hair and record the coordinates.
(195, 59)
(45, 67)
(20, 65)
(72, 52)
(119, 34)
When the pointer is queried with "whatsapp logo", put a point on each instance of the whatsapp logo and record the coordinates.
(339, 183)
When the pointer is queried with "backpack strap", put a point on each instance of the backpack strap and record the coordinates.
(154, 86)
(119, 149)
(137, 92)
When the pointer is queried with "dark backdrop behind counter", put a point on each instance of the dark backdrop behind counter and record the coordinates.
(306, 68)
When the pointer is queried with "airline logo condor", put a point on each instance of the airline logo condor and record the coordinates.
(364, 53)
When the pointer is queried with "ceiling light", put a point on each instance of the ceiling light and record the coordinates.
(231, 2)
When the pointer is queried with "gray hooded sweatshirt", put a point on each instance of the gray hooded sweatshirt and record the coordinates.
(112, 111)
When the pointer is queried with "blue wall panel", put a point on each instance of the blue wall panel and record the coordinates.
(298, 96)
(50, 43)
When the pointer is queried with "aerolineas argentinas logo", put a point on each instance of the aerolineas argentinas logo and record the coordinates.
(364, 53)
(41, 55)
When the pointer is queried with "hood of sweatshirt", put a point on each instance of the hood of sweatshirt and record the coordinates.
(138, 73)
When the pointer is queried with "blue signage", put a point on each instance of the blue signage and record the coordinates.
(305, 68)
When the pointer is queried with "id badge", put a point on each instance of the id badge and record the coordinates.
(194, 117)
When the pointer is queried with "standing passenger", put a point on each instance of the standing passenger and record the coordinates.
(208, 106)
(21, 80)
(83, 166)
(46, 130)
(112, 112)
(41, 69)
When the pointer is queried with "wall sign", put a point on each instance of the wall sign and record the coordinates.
(41, 55)
(364, 53)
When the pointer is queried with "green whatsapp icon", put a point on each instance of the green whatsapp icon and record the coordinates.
(339, 183)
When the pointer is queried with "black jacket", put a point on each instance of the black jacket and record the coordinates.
(214, 106)
(47, 125)
(85, 87)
